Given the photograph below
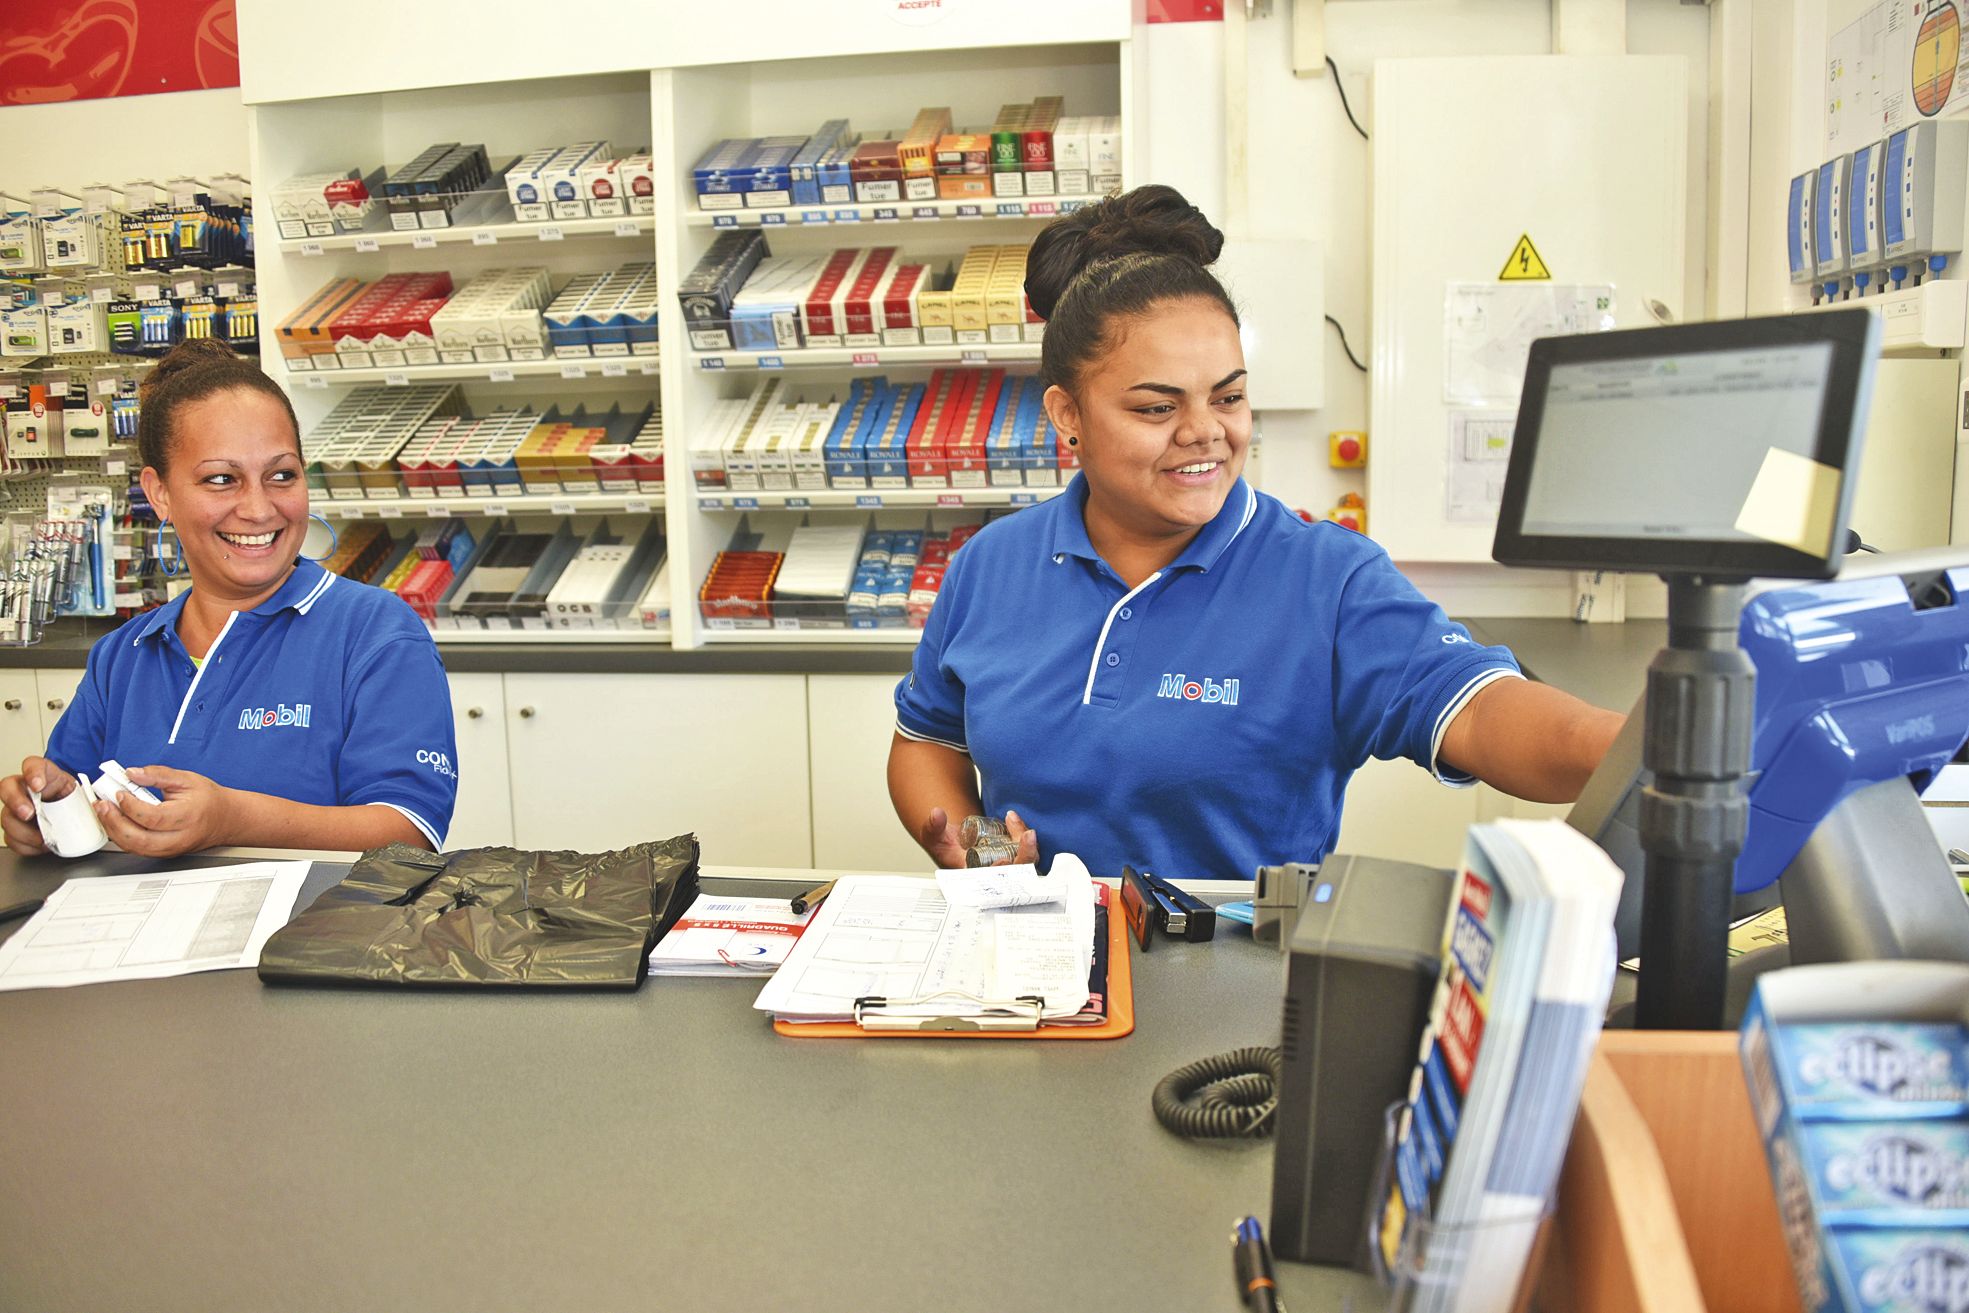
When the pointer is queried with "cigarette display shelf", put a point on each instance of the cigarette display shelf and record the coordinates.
(874, 357)
(556, 637)
(572, 368)
(476, 234)
(1036, 207)
(906, 637)
(440, 508)
(871, 499)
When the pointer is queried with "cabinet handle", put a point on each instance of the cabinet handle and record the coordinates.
(56, 704)
(473, 713)
(526, 713)
(13, 704)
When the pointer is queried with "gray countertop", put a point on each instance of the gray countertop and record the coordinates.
(211, 1143)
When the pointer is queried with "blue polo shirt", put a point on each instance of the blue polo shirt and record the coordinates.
(1205, 722)
(329, 692)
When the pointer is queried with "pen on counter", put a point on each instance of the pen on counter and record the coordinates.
(1252, 1259)
(813, 898)
(19, 910)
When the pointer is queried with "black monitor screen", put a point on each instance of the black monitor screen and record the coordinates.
(1711, 447)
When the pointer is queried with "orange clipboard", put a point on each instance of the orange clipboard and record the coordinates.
(1121, 1005)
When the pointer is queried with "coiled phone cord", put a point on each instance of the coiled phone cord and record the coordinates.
(1230, 1096)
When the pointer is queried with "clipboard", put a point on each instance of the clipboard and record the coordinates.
(1121, 1005)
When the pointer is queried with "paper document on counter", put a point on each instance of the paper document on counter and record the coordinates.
(998, 886)
(141, 927)
(729, 935)
(899, 938)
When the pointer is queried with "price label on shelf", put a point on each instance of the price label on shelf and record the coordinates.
(887, 214)
(637, 506)
(8, 391)
(389, 512)
(784, 622)
(1068, 207)
(366, 246)
(1010, 209)
(647, 368)
(772, 362)
(971, 357)
(813, 216)
(492, 508)
(314, 381)
(615, 369)
(105, 387)
(711, 362)
(121, 552)
(868, 503)
(147, 291)
(114, 465)
(396, 379)
(310, 248)
(745, 503)
(499, 375)
(439, 511)
(485, 237)
(708, 504)
(799, 503)
(424, 242)
(950, 499)
(847, 216)
(970, 211)
(724, 221)
(574, 371)
(102, 295)
(185, 287)
(627, 228)
(865, 360)
(772, 219)
(1025, 499)
(1041, 207)
(551, 232)
(560, 508)
(227, 290)
(924, 212)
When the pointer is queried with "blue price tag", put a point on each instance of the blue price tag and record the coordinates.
(711, 362)
(970, 211)
(868, 503)
(887, 214)
(724, 221)
(771, 362)
(924, 212)
(1010, 210)
(704, 505)
(813, 216)
(799, 503)
(746, 503)
(847, 216)
(771, 220)
(1025, 499)
(1068, 207)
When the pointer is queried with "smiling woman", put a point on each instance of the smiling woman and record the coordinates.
(273, 704)
(1164, 667)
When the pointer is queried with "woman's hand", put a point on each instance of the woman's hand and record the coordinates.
(23, 832)
(191, 816)
(939, 838)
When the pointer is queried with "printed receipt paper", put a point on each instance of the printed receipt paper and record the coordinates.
(141, 927)
(985, 933)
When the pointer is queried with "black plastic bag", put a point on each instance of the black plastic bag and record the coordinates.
(489, 916)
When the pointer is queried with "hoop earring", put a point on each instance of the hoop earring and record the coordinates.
(334, 539)
(172, 566)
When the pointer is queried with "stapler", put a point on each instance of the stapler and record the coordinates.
(1152, 903)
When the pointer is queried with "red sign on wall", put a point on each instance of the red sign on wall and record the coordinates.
(55, 50)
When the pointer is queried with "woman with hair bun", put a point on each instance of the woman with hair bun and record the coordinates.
(274, 704)
(1163, 667)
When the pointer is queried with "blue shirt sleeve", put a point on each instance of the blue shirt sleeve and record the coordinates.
(930, 698)
(80, 742)
(399, 747)
(1403, 669)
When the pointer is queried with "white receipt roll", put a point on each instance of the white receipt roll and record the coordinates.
(69, 825)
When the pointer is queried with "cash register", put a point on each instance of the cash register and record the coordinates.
(1803, 702)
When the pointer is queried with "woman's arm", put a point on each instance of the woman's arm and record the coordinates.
(1530, 740)
(933, 789)
(197, 813)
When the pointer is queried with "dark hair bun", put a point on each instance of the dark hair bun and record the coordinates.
(1151, 220)
(192, 353)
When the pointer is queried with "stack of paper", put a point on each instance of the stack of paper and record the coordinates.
(729, 936)
(964, 944)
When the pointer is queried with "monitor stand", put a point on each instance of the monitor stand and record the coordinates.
(1696, 745)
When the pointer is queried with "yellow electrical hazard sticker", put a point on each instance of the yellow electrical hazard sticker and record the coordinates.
(1525, 264)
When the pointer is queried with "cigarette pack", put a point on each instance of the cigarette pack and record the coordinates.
(600, 184)
(858, 312)
(822, 314)
(876, 167)
(900, 306)
(969, 294)
(1070, 158)
(723, 174)
(807, 451)
(636, 175)
(917, 153)
(706, 293)
(948, 390)
(845, 465)
(1104, 155)
(803, 174)
(772, 161)
(707, 444)
(835, 173)
(888, 450)
(1005, 303)
(766, 311)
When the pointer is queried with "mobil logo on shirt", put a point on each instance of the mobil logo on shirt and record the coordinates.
(278, 716)
(1219, 692)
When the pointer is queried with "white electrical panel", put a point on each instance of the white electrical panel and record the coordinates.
(1582, 158)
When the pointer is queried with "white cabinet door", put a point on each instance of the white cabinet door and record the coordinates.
(850, 721)
(1396, 809)
(55, 689)
(20, 720)
(601, 761)
(484, 815)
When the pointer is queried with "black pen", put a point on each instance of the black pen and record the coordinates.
(812, 898)
(18, 910)
(1252, 1258)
